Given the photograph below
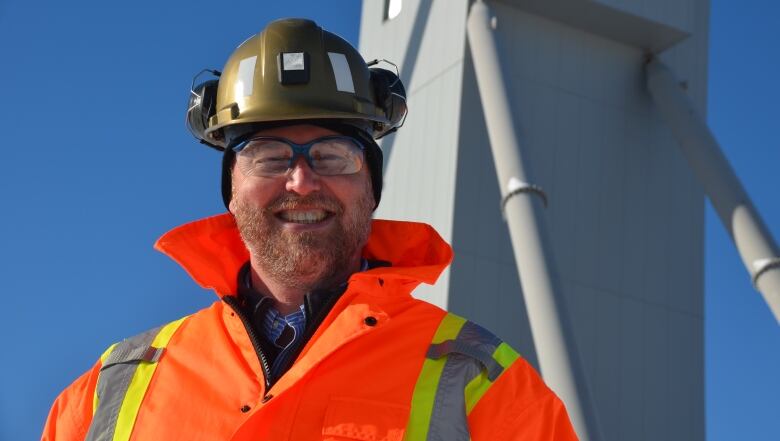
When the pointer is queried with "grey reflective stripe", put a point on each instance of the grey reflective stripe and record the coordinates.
(114, 380)
(127, 354)
(467, 355)
(459, 347)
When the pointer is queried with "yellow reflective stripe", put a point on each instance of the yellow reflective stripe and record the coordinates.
(107, 352)
(428, 381)
(95, 399)
(505, 355)
(477, 387)
(139, 384)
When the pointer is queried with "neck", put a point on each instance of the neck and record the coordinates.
(289, 297)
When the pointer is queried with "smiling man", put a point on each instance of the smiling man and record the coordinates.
(304, 218)
(316, 334)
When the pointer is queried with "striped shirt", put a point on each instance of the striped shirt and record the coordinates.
(274, 325)
(284, 332)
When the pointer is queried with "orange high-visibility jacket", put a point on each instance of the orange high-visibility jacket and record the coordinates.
(381, 366)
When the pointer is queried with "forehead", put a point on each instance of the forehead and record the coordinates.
(299, 133)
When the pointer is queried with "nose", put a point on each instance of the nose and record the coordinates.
(301, 179)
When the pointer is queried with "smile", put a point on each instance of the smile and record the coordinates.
(311, 216)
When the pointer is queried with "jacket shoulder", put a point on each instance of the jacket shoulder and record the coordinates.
(71, 412)
(502, 395)
(509, 400)
(131, 348)
(519, 406)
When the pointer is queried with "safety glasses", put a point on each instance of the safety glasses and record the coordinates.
(272, 156)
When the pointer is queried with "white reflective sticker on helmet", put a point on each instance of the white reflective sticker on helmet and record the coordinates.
(244, 85)
(293, 61)
(341, 72)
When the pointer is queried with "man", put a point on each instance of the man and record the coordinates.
(316, 334)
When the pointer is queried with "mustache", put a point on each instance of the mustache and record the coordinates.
(315, 200)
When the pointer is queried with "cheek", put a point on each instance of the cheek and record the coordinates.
(352, 187)
(354, 193)
(255, 192)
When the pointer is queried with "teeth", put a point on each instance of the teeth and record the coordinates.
(303, 217)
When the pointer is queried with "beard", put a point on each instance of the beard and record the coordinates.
(311, 259)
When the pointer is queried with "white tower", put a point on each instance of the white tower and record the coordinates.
(625, 214)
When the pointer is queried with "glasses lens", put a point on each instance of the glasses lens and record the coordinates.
(336, 156)
(264, 157)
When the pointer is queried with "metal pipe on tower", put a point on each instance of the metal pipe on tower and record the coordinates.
(555, 345)
(757, 248)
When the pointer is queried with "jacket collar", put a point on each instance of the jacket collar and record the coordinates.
(212, 253)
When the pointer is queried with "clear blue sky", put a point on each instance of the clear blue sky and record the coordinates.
(97, 164)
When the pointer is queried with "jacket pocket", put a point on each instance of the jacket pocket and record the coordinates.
(364, 420)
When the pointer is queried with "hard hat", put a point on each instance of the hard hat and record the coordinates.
(295, 72)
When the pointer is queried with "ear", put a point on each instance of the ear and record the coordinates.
(228, 163)
(235, 179)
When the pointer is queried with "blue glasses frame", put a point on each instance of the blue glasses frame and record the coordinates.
(301, 150)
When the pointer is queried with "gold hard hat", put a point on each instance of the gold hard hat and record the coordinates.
(295, 70)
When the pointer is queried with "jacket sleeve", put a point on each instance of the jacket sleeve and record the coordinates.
(520, 407)
(71, 413)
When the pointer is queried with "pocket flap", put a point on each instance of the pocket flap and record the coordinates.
(364, 420)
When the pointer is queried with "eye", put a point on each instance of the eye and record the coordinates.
(271, 159)
(326, 156)
(265, 157)
(336, 156)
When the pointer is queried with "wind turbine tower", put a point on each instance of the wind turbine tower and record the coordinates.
(609, 193)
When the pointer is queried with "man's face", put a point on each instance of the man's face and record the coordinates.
(300, 227)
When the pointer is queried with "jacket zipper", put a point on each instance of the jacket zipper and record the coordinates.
(232, 302)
